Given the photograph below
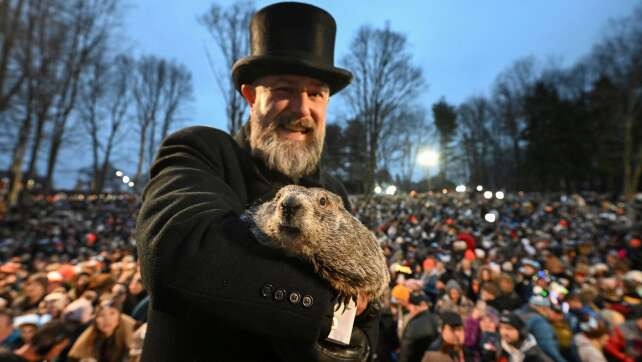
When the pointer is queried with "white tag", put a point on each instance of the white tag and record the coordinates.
(342, 323)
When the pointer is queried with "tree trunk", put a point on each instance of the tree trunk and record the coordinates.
(105, 163)
(35, 147)
(627, 158)
(56, 141)
(15, 170)
(141, 158)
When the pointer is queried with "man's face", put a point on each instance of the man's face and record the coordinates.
(5, 323)
(508, 333)
(453, 335)
(287, 122)
(34, 290)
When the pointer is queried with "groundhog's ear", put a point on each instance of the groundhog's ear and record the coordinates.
(337, 200)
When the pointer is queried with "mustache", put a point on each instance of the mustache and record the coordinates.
(291, 120)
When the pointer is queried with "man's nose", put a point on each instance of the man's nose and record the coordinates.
(300, 104)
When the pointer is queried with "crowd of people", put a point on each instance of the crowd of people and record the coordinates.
(70, 287)
(548, 278)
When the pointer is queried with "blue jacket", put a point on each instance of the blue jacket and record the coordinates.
(543, 332)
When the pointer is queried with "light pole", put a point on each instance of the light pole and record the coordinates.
(428, 158)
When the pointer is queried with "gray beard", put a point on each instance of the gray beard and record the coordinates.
(291, 158)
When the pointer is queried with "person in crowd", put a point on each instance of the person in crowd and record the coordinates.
(591, 340)
(421, 329)
(9, 336)
(526, 275)
(489, 346)
(47, 343)
(454, 300)
(450, 346)
(508, 298)
(480, 330)
(109, 338)
(135, 294)
(517, 344)
(536, 314)
(35, 290)
(625, 341)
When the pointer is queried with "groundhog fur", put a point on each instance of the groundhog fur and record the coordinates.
(312, 224)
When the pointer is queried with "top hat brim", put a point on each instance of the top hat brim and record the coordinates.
(251, 68)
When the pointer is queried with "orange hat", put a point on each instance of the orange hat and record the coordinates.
(401, 293)
(470, 255)
(68, 272)
(429, 263)
(10, 268)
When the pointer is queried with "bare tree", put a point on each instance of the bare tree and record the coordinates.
(229, 29)
(474, 120)
(39, 52)
(445, 118)
(177, 91)
(89, 25)
(12, 14)
(160, 89)
(384, 80)
(413, 133)
(103, 107)
(509, 91)
(150, 76)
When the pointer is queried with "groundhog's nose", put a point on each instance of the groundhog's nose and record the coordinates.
(290, 205)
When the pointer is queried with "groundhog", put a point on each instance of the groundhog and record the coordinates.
(312, 224)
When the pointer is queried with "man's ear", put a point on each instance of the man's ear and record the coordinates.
(249, 93)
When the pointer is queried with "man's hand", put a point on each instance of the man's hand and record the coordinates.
(362, 303)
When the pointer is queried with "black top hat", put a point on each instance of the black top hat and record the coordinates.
(291, 38)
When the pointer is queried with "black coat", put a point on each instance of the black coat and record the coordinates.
(215, 293)
(419, 333)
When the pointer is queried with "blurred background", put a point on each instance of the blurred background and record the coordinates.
(540, 96)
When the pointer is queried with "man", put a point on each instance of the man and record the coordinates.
(625, 342)
(215, 292)
(450, 347)
(536, 314)
(420, 331)
(517, 344)
(35, 289)
(9, 336)
(524, 287)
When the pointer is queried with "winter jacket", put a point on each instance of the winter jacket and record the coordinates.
(543, 332)
(625, 343)
(421, 330)
(528, 351)
(586, 350)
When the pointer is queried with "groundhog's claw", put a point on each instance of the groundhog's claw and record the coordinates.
(343, 300)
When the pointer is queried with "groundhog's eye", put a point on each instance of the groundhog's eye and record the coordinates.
(323, 201)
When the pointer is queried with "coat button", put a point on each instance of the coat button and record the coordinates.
(295, 297)
(279, 294)
(266, 290)
(307, 301)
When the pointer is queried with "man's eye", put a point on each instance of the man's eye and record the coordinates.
(316, 95)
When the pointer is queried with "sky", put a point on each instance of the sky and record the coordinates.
(461, 45)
